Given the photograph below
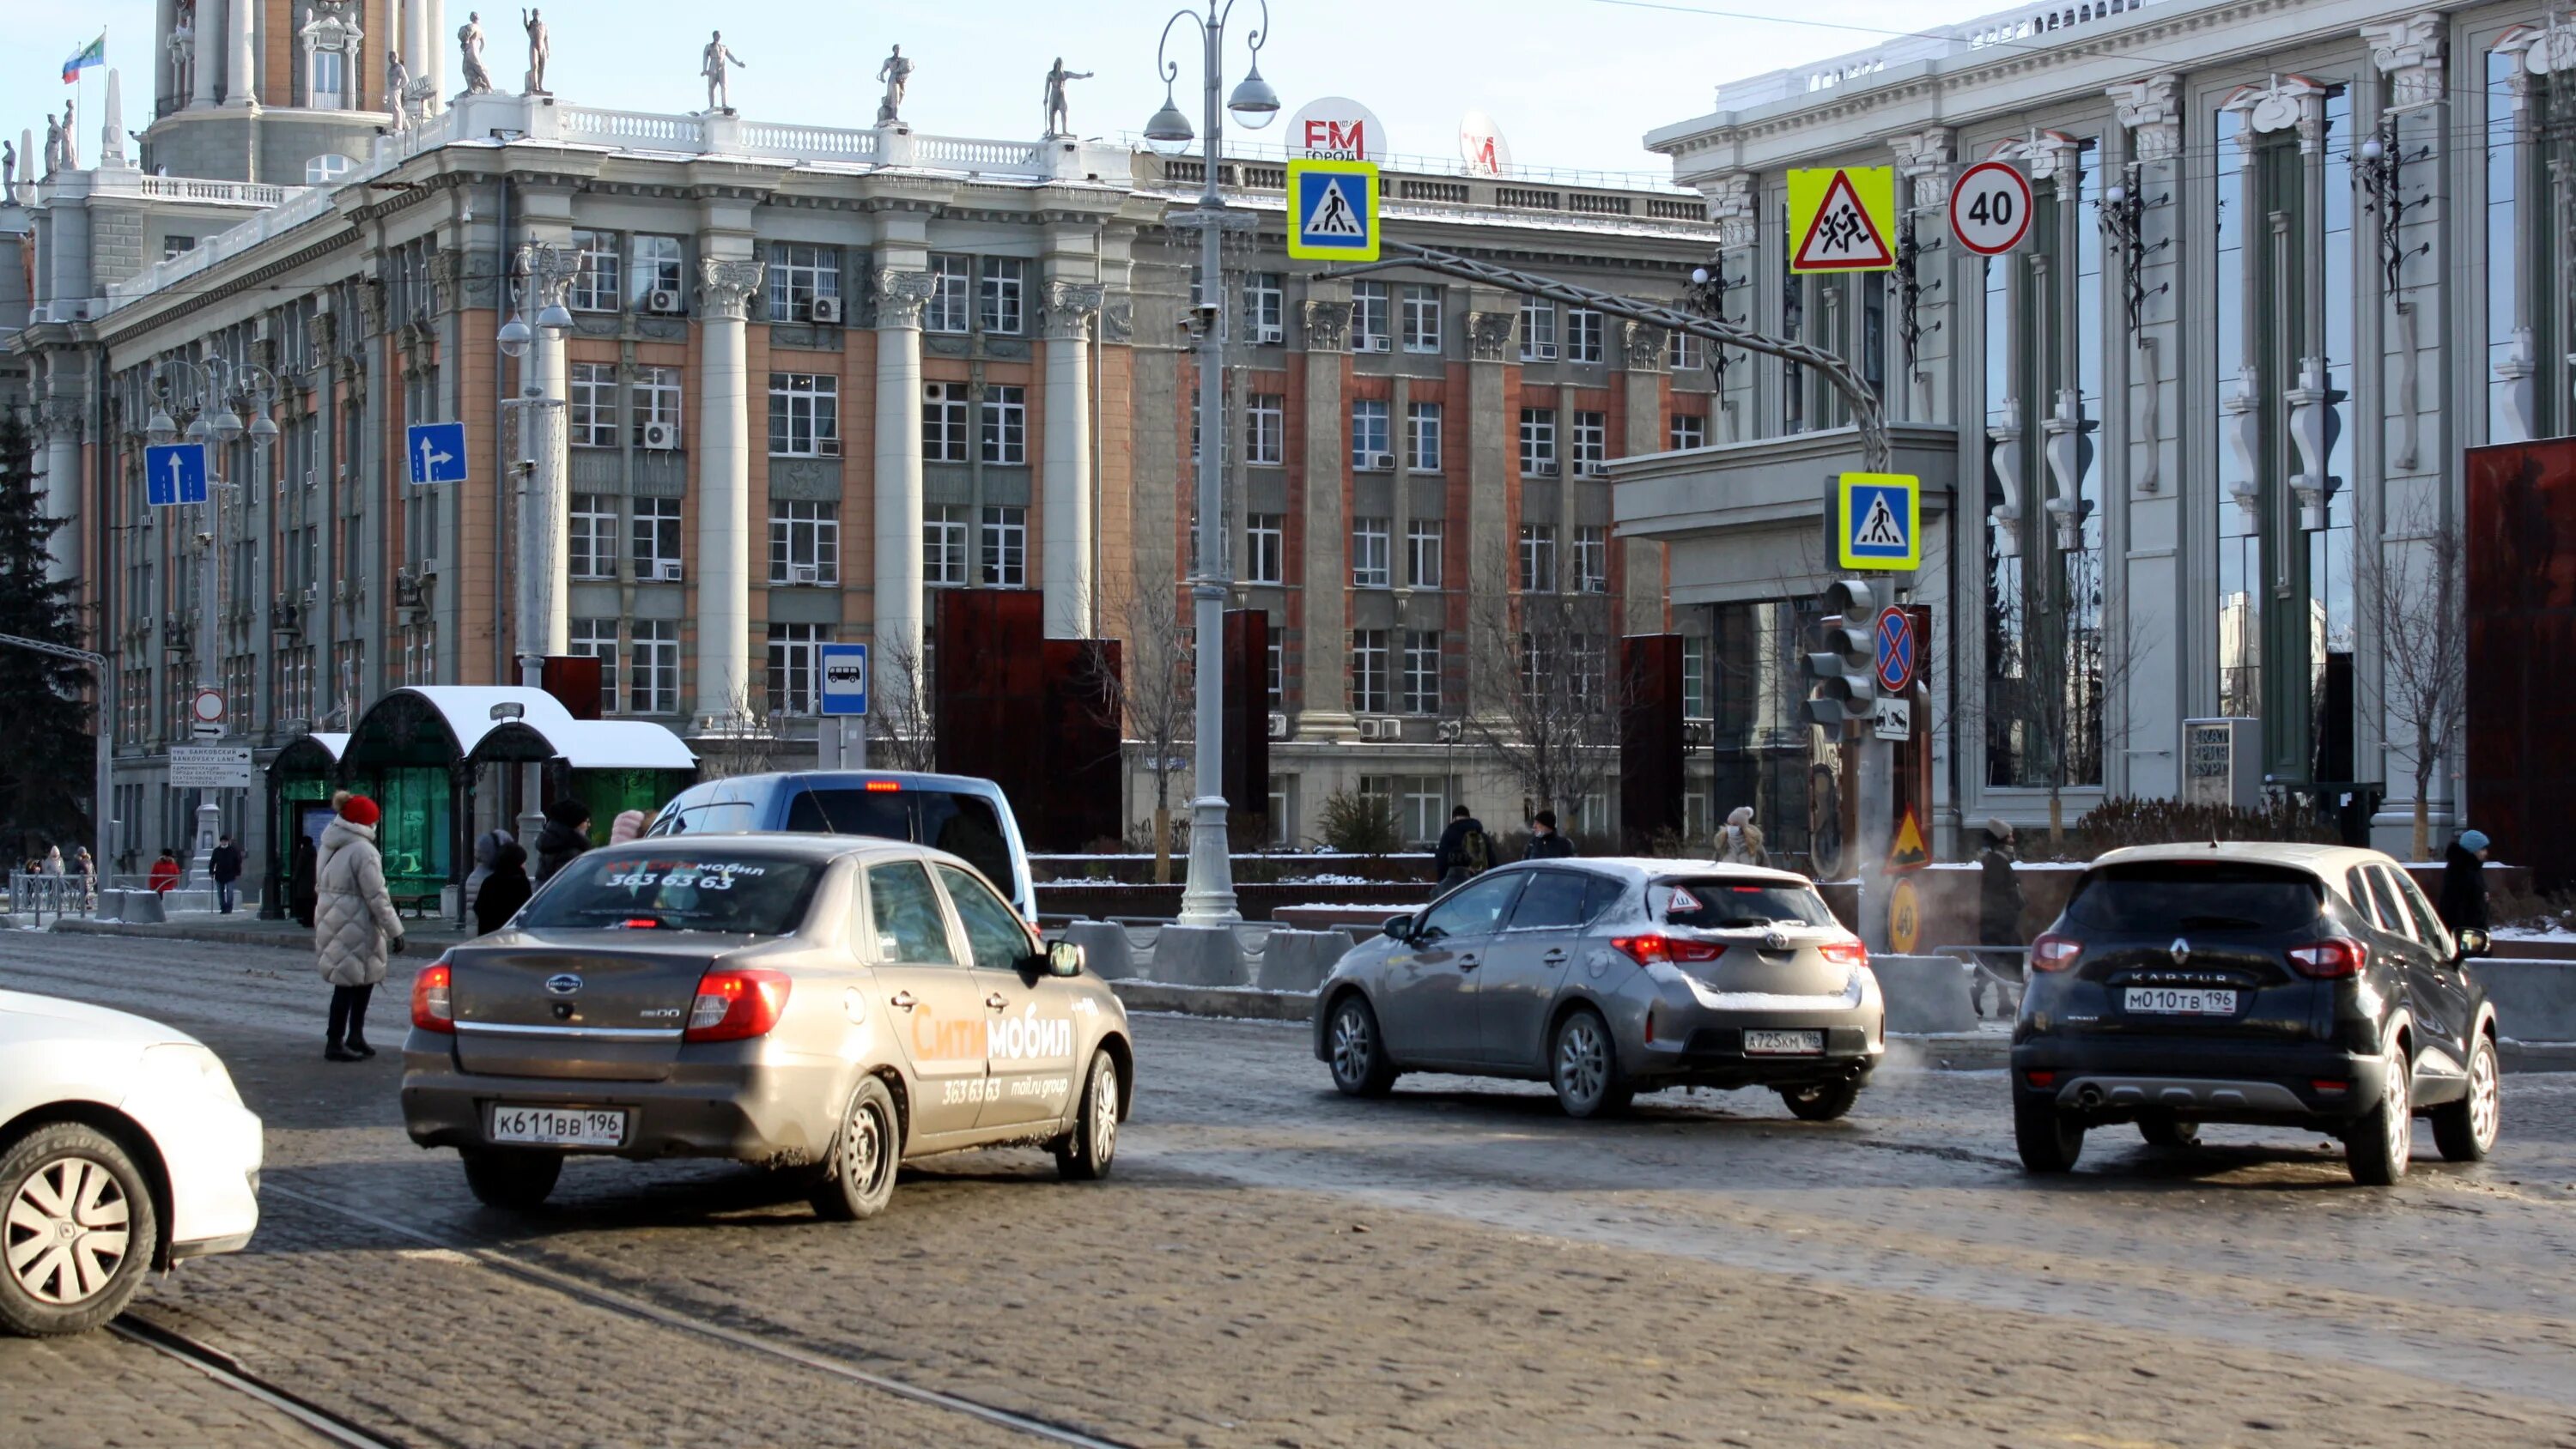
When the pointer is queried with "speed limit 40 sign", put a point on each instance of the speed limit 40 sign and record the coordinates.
(1990, 208)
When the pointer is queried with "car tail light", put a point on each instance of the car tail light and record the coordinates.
(1646, 950)
(2332, 957)
(2055, 953)
(1844, 953)
(2330, 1084)
(884, 787)
(2040, 1079)
(433, 1003)
(732, 1005)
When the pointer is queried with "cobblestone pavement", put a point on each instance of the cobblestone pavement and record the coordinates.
(1274, 1265)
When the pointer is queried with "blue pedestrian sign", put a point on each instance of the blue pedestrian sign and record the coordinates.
(1878, 521)
(436, 452)
(1332, 211)
(174, 473)
(1895, 650)
(845, 679)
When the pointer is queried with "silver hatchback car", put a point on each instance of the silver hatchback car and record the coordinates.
(1609, 977)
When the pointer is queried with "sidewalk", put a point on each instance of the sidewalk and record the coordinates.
(427, 934)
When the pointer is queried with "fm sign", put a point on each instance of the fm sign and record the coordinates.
(1336, 128)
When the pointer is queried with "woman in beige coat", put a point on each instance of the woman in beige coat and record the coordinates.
(355, 926)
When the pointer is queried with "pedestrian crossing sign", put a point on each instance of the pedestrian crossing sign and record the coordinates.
(1332, 211)
(1843, 219)
(1878, 521)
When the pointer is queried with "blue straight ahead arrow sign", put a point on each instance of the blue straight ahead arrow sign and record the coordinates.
(174, 473)
(436, 452)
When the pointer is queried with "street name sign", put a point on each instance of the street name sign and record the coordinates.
(845, 679)
(1844, 218)
(436, 452)
(212, 767)
(1990, 208)
(1878, 521)
(174, 473)
(1332, 211)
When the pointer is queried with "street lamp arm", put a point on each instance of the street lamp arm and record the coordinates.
(59, 651)
(1168, 68)
(1866, 416)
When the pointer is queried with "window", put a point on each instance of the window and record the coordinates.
(1538, 442)
(175, 246)
(595, 289)
(1591, 672)
(943, 422)
(1005, 290)
(326, 168)
(1591, 559)
(1695, 703)
(1265, 434)
(1583, 335)
(946, 310)
(1006, 424)
(1554, 901)
(804, 542)
(1591, 443)
(1474, 909)
(1689, 431)
(1422, 540)
(795, 666)
(1371, 447)
(1266, 541)
(1538, 558)
(597, 639)
(1422, 437)
(804, 415)
(657, 269)
(327, 80)
(657, 538)
(593, 405)
(1368, 671)
(943, 545)
(911, 930)
(1369, 329)
(654, 668)
(1265, 309)
(799, 273)
(655, 400)
(1276, 677)
(1421, 671)
(592, 541)
(1538, 330)
(1684, 352)
(1421, 319)
(1006, 547)
(1369, 549)
(994, 932)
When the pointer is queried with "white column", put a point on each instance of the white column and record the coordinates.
(724, 492)
(435, 58)
(1065, 475)
(210, 40)
(549, 519)
(900, 296)
(165, 19)
(62, 487)
(419, 43)
(241, 74)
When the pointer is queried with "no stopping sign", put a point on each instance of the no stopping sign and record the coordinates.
(1990, 208)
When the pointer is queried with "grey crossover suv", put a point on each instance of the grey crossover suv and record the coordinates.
(1608, 977)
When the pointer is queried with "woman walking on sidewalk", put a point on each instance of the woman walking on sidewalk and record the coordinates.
(355, 926)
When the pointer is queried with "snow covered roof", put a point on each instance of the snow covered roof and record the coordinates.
(478, 715)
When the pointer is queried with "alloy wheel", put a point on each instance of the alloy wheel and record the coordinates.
(2397, 1106)
(1582, 1060)
(1351, 1045)
(2485, 1104)
(1104, 1113)
(68, 1231)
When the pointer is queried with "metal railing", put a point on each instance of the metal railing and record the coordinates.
(36, 895)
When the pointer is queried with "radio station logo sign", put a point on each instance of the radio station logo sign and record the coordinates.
(1336, 128)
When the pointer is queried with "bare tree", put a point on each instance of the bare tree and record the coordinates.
(1541, 705)
(2411, 590)
(1154, 701)
(742, 741)
(2056, 661)
(902, 721)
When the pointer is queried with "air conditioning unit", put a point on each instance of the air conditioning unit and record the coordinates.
(804, 574)
(1269, 336)
(827, 309)
(662, 437)
(1541, 352)
(1382, 462)
(665, 300)
(1540, 470)
(1278, 725)
(937, 392)
(827, 447)
(667, 571)
(1591, 469)
(407, 590)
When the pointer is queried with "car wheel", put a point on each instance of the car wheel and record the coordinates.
(2466, 1130)
(2169, 1132)
(1585, 1067)
(1086, 1153)
(80, 1230)
(2050, 1138)
(512, 1179)
(2376, 1147)
(1821, 1101)
(1361, 1066)
(858, 1176)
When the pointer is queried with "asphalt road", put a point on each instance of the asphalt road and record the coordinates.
(1274, 1265)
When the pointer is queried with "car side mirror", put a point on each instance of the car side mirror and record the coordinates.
(1399, 928)
(2473, 940)
(1064, 958)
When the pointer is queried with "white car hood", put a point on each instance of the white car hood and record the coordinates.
(27, 1017)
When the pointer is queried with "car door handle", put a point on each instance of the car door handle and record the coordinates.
(1466, 963)
(1554, 957)
(997, 1002)
(902, 1001)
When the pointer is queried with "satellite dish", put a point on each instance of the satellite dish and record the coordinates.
(1336, 128)
(1482, 147)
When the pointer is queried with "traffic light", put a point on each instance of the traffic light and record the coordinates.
(1842, 654)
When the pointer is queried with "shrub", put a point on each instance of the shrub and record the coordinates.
(1360, 824)
(2127, 820)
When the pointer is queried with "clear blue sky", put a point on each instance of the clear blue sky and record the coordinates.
(1572, 83)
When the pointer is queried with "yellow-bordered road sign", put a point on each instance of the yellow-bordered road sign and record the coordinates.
(1332, 211)
(1843, 219)
(1904, 916)
(1878, 521)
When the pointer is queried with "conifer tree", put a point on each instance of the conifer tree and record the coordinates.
(48, 770)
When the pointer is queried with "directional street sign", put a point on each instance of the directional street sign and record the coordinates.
(1844, 219)
(436, 452)
(1895, 650)
(1332, 211)
(1878, 521)
(212, 767)
(845, 679)
(174, 473)
(1990, 208)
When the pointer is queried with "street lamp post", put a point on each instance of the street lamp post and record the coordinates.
(539, 282)
(1208, 896)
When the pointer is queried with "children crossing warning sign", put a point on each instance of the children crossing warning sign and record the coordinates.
(1843, 219)
(1334, 207)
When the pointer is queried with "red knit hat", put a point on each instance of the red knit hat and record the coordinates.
(359, 810)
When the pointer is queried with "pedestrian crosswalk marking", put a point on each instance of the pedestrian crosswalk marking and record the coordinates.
(1880, 529)
(1332, 215)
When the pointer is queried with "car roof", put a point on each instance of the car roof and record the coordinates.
(798, 845)
(2329, 861)
(908, 779)
(1638, 867)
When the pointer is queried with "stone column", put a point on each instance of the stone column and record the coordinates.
(165, 19)
(1066, 471)
(241, 70)
(210, 40)
(62, 419)
(1487, 563)
(435, 59)
(1326, 578)
(724, 491)
(898, 604)
(419, 44)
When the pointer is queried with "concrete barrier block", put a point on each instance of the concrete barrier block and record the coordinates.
(1198, 956)
(2535, 1001)
(142, 908)
(1925, 993)
(111, 906)
(1106, 952)
(1300, 960)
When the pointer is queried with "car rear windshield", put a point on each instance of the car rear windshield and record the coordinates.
(733, 892)
(963, 825)
(2195, 895)
(1722, 905)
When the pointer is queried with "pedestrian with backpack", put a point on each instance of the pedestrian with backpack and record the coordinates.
(1465, 850)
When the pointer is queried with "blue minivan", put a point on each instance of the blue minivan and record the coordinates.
(960, 814)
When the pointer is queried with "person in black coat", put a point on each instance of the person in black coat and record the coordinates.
(566, 835)
(301, 886)
(1464, 849)
(225, 865)
(504, 890)
(2464, 882)
(1546, 843)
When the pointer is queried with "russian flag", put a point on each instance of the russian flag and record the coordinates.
(94, 53)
